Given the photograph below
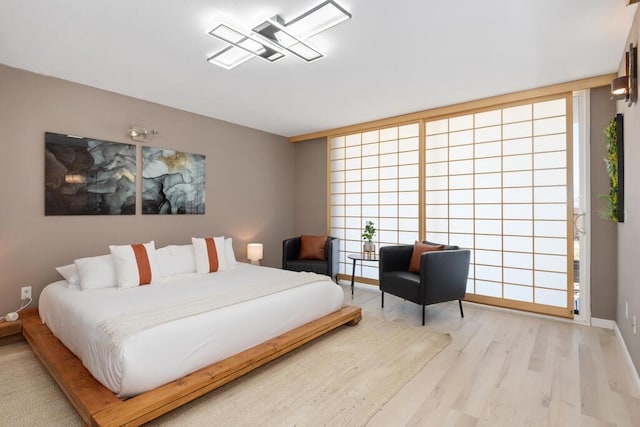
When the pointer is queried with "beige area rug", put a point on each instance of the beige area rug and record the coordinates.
(340, 379)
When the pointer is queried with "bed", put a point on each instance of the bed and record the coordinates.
(148, 350)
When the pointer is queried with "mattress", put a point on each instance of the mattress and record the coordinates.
(171, 350)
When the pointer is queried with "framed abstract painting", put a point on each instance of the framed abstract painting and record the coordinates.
(87, 176)
(173, 182)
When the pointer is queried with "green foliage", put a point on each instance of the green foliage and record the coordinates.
(610, 211)
(369, 231)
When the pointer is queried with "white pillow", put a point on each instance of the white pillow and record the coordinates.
(176, 259)
(135, 264)
(228, 252)
(184, 259)
(70, 274)
(209, 261)
(96, 272)
(165, 261)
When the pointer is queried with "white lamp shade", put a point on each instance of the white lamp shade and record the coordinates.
(254, 251)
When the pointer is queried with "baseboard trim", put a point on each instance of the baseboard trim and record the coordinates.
(603, 323)
(635, 377)
(522, 312)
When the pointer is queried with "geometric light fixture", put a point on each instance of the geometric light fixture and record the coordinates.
(276, 37)
(229, 57)
(626, 87)
(276, 33)
(316, 20)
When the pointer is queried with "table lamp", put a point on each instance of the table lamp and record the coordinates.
(254, 253)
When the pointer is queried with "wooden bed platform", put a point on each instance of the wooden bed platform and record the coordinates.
(100, 407)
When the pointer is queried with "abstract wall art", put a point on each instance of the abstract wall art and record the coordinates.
(86, 176)
(173, 182)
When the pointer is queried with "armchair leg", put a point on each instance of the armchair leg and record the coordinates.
(382, 299)
(461, 312)
(423, 315)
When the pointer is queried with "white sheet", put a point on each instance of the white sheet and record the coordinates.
(161, 354)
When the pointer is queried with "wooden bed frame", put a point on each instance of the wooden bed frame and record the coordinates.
(98, 406)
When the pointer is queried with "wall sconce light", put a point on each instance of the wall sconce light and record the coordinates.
(254, 253)
(626, 87)
(138, 133)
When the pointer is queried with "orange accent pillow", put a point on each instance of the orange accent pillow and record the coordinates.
(419, 249)
(212, 254)
(142, 259)
(313, 247)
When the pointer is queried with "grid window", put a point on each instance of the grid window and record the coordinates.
(374, 176)
(496, 182)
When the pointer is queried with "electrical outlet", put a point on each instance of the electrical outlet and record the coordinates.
(626, 310)
(25, 292)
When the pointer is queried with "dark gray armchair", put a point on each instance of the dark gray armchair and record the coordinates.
(328, 267)
(443, 275)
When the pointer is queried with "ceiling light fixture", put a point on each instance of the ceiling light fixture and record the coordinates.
(318, 19)
(626, 87)
(243, 42)
(230, 57)
(277, 34)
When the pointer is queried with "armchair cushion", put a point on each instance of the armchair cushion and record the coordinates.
(419, 249)
(313, 265)
(313, 247)
(446, 247)
(403, 284)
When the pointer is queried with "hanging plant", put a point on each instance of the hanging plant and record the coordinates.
(610, 211)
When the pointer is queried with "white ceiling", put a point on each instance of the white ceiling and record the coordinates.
(393, 57)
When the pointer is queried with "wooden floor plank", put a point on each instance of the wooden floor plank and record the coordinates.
(520, 346)
(472, 399)
(501, 405)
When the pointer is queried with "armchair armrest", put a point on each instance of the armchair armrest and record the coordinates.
(290, 250)
(332, 251)
(443, 275)
(395, 258)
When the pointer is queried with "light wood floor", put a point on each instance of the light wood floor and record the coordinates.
(508, 369)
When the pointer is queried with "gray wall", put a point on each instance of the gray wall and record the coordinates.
(249, 180)
(604, 240)
(629, 231)
(311, 187)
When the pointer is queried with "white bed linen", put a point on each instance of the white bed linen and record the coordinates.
(172, 350)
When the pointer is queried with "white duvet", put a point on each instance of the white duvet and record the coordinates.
(160, 354)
